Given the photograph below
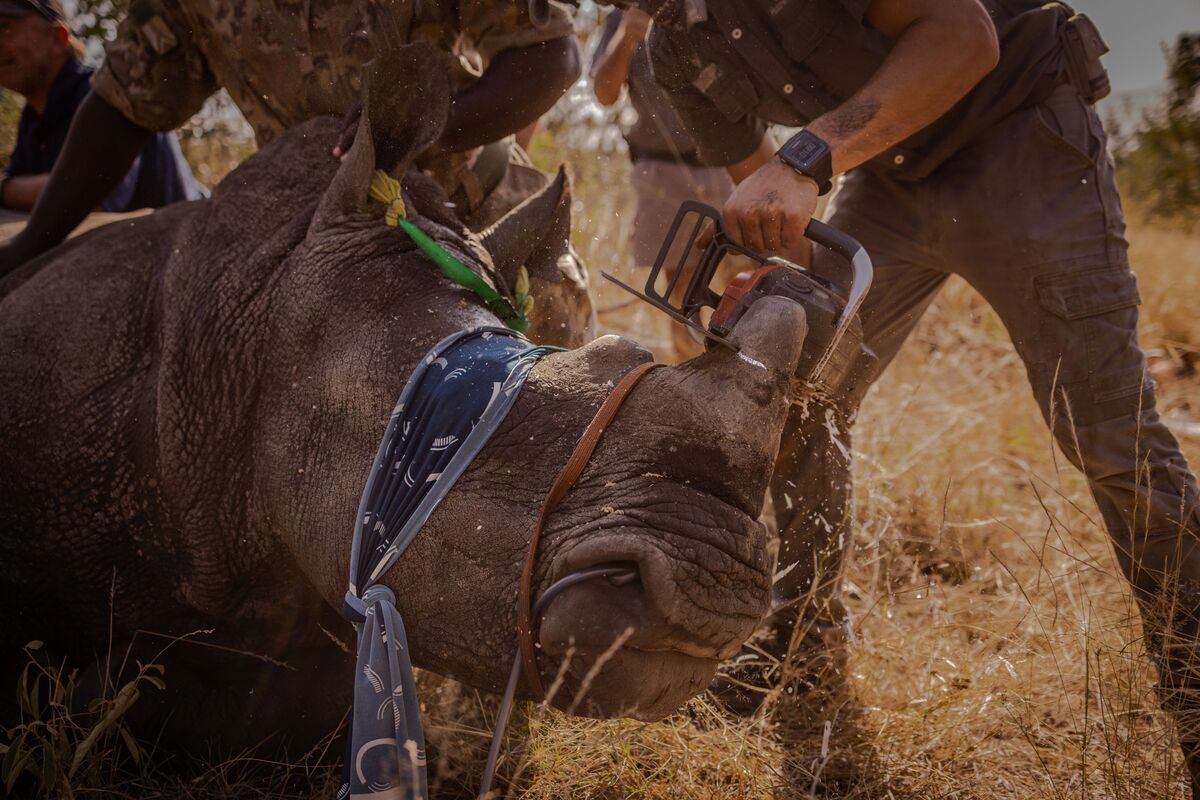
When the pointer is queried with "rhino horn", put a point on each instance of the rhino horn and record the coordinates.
(746, 394)
(769, 342)
(406, 104)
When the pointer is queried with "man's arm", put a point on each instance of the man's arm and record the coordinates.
(942, 48)
(22, 191)
(611, 67)
(519, 86)
(101, 146)
(762, 155)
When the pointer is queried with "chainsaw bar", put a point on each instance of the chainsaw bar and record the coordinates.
(672, 313)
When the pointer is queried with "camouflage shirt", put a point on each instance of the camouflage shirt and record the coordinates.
(286, 61)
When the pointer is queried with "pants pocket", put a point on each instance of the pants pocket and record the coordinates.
(1088, 330)
(1066, 121)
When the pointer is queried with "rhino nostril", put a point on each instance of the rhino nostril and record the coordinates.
(625, 577)
(645, 594)
(592, 605)
(617, 573)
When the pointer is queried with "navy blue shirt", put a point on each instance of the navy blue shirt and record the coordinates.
(158, 177)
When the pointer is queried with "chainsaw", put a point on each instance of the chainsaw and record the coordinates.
(835, 339)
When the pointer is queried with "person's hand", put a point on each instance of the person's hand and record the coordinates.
(769, 211)
(349, 129)
(634, 24)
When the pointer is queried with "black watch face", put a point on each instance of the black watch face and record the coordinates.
(811, 157)
(805, 151)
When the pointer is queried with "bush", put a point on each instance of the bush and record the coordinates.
(1161, 168)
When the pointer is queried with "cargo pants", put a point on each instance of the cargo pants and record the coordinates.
(1029, 215)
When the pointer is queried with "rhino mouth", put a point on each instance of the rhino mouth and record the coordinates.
(642, 647)
(646, 685)
(598, 675)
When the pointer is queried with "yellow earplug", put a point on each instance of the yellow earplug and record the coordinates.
(386, 189)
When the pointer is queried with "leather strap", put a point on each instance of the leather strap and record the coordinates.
(562, 484)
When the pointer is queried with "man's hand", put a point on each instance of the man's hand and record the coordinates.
(770, 210)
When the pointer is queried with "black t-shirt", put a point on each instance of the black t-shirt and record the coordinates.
(658, 132)
(790, 61)
(158, 177)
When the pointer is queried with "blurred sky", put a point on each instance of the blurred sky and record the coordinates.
(1136, 31)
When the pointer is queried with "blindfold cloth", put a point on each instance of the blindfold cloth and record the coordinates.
(452, 404)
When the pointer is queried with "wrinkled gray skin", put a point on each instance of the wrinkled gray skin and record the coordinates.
(191, 401)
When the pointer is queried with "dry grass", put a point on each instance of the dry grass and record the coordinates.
(997, 652)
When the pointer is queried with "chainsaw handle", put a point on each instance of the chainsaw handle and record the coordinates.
(828, 236)
(862, 275)
(699, 294)
(846, 246)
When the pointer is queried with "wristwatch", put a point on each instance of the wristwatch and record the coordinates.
(808, 154)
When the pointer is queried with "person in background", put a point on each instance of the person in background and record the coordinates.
(509, 63)
(666, 168)
(39, 60)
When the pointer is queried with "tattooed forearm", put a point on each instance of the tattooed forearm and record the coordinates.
(940, 50)
(852, 117)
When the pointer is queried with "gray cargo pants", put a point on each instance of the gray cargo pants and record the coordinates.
(1029, 215)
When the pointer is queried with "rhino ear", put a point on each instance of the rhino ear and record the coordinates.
(540, 226)
(537, 235)
(406, 103)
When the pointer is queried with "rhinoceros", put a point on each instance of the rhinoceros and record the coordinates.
(192, 400)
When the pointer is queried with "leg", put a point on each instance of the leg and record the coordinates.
(811, 485)
(1069, 301)
(810, 489)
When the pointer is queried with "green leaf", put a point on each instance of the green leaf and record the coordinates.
(130, 743)
(34, 698)
(49, 777)
(23, 695)
(14, 763)
(36, 644)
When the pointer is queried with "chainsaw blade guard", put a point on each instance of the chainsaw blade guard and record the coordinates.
(835, 339)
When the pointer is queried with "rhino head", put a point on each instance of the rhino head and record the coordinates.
(674, 489)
